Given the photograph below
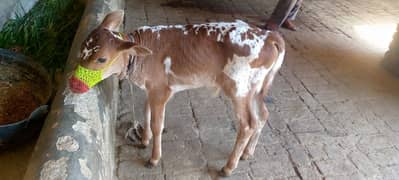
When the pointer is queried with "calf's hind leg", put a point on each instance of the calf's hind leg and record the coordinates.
(261, 114)
(245, 131)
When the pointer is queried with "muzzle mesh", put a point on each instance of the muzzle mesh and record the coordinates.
(88, 76)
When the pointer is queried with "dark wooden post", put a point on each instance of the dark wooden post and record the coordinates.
(391, 58)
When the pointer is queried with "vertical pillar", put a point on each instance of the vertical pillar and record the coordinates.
(391, 58)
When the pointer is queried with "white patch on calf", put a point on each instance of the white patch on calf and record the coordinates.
(219, 38)
(259, 77)
(168, 65)
(255, 44)
(279, 61)
(223, 28)
(255, 111)
(86, 53)
(239, 70)
(276, 66)
(192, 82)
(157, 29)
(177, 87)
(220, 29)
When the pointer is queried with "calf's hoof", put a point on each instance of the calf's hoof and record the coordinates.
(140, 146)
(143, 144)
(245, 156)
(224, 172)
(150, 164)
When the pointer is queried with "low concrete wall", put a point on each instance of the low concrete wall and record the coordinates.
(77, 139)
(12, 8)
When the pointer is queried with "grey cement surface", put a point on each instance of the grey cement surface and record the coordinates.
(334, 113)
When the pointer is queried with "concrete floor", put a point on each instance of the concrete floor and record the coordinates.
(334, 113)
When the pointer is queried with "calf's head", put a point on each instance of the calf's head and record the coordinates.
(103, 53)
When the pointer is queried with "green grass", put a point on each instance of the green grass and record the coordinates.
(45, 33)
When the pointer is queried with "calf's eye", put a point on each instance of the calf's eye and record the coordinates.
(101, 60)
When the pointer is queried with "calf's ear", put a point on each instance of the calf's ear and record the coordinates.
(135, 49)
(113, 20)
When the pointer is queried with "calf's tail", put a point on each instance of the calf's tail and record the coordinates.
(279, 48)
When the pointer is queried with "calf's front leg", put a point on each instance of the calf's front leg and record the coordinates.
(157, 102)
(147, 135)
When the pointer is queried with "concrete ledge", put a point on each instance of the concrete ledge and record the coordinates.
(77, 139)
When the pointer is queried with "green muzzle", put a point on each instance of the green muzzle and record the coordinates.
(92, 77)
(88, 76)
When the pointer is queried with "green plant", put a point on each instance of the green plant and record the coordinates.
(45, 33)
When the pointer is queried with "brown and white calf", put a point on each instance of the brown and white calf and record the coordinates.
(236, 57)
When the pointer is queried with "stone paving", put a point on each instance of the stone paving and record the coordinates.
(334, 110)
